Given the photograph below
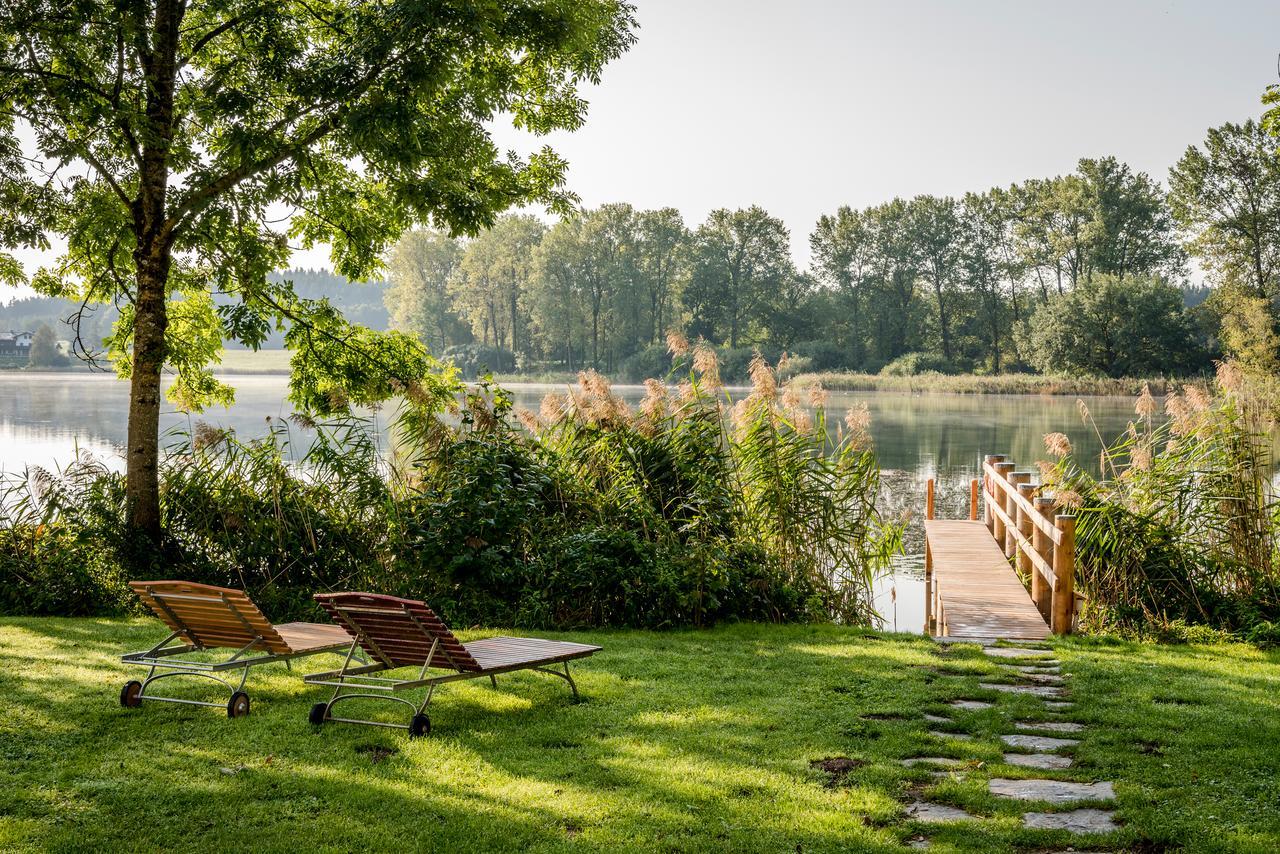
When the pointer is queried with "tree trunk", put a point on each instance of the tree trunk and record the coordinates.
(142, 483)
(152, 256)
(942, 315)
(515, 316)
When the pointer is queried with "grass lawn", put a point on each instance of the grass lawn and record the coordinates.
(685, 741)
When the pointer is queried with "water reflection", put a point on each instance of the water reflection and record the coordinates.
(44, 417)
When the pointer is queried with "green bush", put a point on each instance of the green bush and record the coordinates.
(475, 360)
(914, 364)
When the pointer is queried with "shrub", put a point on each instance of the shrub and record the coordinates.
(913, 364)
(475, 360)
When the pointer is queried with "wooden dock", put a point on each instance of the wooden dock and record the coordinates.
(978, 593)
(977, 574)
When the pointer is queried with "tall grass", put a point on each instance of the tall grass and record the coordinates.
(989, 384)
(1179, 519)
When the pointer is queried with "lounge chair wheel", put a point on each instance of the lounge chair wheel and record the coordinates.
(131, 694)
(419, 726)
(318, 712)
(238, 705)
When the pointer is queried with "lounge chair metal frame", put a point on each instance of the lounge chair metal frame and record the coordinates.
(164, 661)
(355, 682)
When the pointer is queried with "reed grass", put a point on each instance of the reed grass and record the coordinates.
(1179, 520)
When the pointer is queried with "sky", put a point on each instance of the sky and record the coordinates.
(804, 106)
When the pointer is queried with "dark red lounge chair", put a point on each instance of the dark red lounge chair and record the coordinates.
(397, 633)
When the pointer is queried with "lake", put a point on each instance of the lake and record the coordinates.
(45, 417)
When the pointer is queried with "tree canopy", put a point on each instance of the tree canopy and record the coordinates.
(166, 135)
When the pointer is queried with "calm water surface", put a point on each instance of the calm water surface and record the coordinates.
(45, 417)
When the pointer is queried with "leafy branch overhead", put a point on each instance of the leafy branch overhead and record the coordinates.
(197, 126)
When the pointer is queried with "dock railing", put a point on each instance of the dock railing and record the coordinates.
(1025, 525)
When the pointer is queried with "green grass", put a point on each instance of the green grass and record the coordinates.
(685, 741)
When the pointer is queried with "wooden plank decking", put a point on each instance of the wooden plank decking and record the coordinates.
(979, 594)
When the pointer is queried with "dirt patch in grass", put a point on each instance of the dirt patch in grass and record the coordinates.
(836, 767)
(376, 752)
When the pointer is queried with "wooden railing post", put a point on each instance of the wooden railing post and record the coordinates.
(928, 562)
(1064, 571)
(1015, 478)
(988, 490)
(1040, 592)
(1025, 527)
(973, 500)
(996, 495)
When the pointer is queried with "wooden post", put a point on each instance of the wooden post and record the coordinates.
(1011, 508)
(1040, 591)
(928, 561)
(1064, 580)
(973, 500)
(1025, 527)
(988, 490)
(996, 495)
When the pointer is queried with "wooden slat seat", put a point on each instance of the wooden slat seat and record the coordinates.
(303, 637)
(208, 617)
(492, 653)
(397, 633)
(204, 617)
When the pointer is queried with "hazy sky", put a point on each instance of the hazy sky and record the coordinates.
(803, 106)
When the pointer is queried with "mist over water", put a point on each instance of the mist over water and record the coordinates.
(45, 417)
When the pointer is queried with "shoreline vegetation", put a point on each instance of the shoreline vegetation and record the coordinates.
(276, 363)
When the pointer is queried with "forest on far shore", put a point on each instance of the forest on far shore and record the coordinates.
(1085, 274)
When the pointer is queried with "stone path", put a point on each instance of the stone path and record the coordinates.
(1033, 672)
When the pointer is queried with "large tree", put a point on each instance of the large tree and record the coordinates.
(661, 261)
(165, 132)
(418, 300)
(1226, 199)
(842, 255)
(493, 275)
(1134, 328)
(935, 229)
(741, 261)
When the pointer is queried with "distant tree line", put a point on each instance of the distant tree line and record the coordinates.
(1083, 273)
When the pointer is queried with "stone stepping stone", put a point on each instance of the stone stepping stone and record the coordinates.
(1042, 678)
(1038, 742)
(925, 811)
(1053, 791)
(1049, 726)
(1016, 652)
(963, 736)
(1032, 668)
(937, 719)
(1058, 706)
(1076, 821)
(948, 775)
(1034, 690)
(932, 760)
(971, 705)
(1039, 760)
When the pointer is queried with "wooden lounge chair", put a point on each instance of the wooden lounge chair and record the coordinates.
(397, 633)
(204, 617)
